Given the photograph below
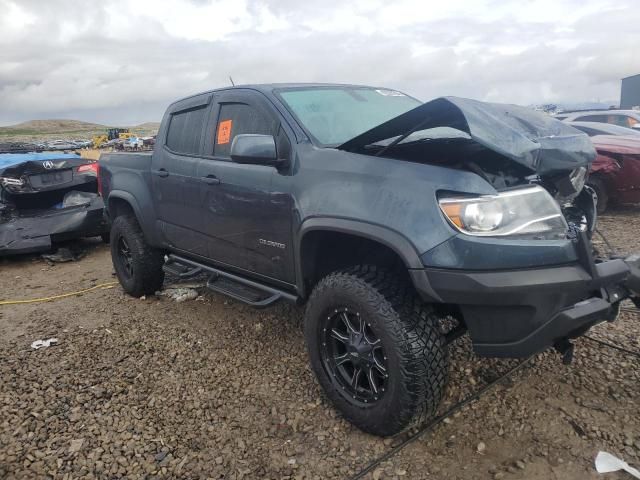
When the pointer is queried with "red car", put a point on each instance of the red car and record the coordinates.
(615, 174)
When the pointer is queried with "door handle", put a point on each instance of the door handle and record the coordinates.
(211, 180)
(161, 173)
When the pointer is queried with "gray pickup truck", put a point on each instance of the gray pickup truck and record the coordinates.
(382, 214)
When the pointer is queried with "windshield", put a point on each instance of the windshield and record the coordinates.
(333, 115)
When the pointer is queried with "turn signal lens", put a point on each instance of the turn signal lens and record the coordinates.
(454, 212)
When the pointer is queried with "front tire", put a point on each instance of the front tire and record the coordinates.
(376, 349)
(138, 266)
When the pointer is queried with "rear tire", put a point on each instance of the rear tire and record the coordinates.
(138, 266)
(601, 191)
(389, 335)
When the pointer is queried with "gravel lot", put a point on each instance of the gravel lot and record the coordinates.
(210, 388)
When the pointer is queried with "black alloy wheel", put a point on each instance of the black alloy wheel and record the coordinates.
(376, 348)
(138, 266)
(354, 357)
(125, 257)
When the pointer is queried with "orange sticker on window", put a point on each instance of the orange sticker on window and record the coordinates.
(224, 131)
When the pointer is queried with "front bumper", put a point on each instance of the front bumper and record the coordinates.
(516, 313)
(36, 232)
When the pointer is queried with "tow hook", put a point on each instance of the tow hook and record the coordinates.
(565, 348)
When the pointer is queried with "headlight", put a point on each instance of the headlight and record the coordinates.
(524, 213)
(569, 186)
(578, 177)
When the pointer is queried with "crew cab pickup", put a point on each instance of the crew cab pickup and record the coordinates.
(382, 214)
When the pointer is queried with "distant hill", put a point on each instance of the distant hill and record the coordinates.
(148, 126)
(53, 129)
(52, 126)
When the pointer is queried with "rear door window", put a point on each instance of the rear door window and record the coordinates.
(235, 119)
(185, 130)
(621, 120)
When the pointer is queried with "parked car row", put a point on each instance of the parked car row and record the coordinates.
(61, 145)
(131, 143)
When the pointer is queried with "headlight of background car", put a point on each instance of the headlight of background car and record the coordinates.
(524, 213)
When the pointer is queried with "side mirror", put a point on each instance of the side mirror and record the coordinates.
(636, 126)
(254, 149)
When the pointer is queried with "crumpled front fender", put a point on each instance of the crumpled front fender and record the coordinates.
(605, 165)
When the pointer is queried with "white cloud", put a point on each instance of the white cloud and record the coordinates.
(119, 60)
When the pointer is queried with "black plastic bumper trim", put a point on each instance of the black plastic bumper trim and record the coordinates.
(571, 321)
(517, 313)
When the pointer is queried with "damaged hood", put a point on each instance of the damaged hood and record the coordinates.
(534, 140)
(617, 144)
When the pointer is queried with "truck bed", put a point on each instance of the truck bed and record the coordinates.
(132, 160)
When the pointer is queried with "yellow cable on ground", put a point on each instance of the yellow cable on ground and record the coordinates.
(55, 297)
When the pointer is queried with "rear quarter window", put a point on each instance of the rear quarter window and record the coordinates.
(185, 130)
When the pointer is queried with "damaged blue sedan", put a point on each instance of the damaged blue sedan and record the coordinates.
(47, 197)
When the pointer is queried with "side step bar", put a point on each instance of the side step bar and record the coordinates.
(179, 270)
(242, 289)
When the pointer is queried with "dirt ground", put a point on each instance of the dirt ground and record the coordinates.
(210, 388)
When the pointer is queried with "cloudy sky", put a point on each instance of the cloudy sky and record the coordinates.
(121, 62)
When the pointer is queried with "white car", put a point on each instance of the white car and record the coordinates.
(622, 118)
(596, 128)
(60, 145)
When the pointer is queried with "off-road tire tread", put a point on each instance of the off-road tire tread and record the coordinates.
(418, 340)
(147, 261)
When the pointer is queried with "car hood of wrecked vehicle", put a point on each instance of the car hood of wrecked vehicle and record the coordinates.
(617, 144)
(536, 142)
